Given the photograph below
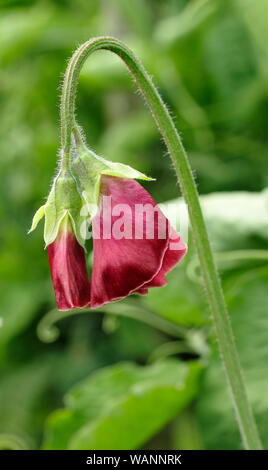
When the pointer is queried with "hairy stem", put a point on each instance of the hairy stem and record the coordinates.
(182, 168)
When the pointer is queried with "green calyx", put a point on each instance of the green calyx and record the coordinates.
(74, 196)
(64, 203)
(88, 168)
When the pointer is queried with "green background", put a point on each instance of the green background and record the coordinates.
(142, 373)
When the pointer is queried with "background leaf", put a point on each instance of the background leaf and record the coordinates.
(122, 406)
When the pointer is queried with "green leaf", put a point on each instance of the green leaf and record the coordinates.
(22, 399)
(122, 406)
(192, 16)
(248, 300)
(233, 219)
(20, 303)
(180, 301)
(255, 15)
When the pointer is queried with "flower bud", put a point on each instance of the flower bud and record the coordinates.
(62, 235)
(68, 269)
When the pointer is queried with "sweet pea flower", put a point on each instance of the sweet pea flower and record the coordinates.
(65, 246)
(134, 246)
(139, 257)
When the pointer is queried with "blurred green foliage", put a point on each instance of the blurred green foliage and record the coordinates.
(106, 410)
(209, 61)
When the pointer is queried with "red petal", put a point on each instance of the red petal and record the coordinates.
(175, 251)
(68, 272)
(127, 265)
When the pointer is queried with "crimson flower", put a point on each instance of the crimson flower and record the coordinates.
(134, 246)
(122, 265)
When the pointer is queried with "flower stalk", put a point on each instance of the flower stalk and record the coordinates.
(166, 126)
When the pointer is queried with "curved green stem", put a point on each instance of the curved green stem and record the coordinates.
(182, 168)
(49, 332)
(169, 349)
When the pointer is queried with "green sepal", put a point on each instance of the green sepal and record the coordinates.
(40, 213)
(124, 171)
(64, 199)
(88, 168)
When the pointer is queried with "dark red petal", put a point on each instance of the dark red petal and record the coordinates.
(174, 253)
(127, 265)
(68, 272)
